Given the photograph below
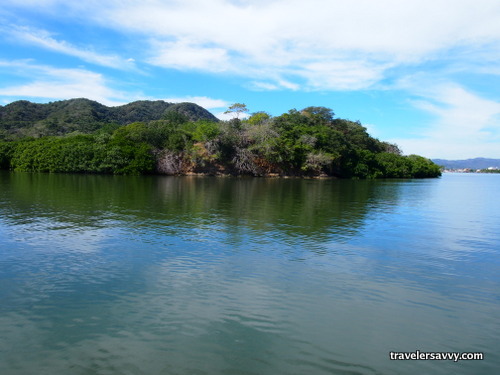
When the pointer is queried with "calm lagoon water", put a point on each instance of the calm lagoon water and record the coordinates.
(167, 275)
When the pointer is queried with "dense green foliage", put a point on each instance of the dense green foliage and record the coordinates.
(79, 154)
(310, 142)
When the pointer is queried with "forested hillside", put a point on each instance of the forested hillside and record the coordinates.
(25, 119)
(156, 137)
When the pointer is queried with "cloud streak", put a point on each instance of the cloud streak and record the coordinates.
(43, 39)
(58, 83)
(183, 55)
(464, 124)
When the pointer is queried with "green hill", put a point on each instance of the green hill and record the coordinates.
(26, 119)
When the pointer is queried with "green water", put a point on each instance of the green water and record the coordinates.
(167, 275)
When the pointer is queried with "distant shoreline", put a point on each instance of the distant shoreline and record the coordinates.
(470, 170)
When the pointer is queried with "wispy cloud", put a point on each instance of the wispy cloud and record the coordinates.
(184, 55)
(347, 74)
(57, 83)
(44, 39)
(464, 123)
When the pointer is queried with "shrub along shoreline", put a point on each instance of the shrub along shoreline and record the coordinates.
(307, 143)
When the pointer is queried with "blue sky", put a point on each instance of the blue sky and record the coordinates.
(424, 74)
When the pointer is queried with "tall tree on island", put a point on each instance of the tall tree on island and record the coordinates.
(237, 108)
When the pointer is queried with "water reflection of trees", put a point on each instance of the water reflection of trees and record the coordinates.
(294, 206)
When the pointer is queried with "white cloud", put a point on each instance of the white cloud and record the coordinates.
(263, 86)
(465, 124)
(44, 39)
(318, 44)
(205, 102)
(343, 75)
(315, 44)
(389, 26)
(287, 84)
(278, 84)
(55, 83)
(185, 55)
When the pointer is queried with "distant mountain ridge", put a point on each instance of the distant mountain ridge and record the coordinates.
(24, 118)
(476, 163)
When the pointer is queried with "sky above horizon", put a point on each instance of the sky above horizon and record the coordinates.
(424, 74)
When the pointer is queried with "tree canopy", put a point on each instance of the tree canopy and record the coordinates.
(237, 108)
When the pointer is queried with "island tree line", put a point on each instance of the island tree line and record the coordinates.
(310, 142)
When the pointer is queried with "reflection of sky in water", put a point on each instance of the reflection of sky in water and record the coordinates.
(50, 234)
(203, 287)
